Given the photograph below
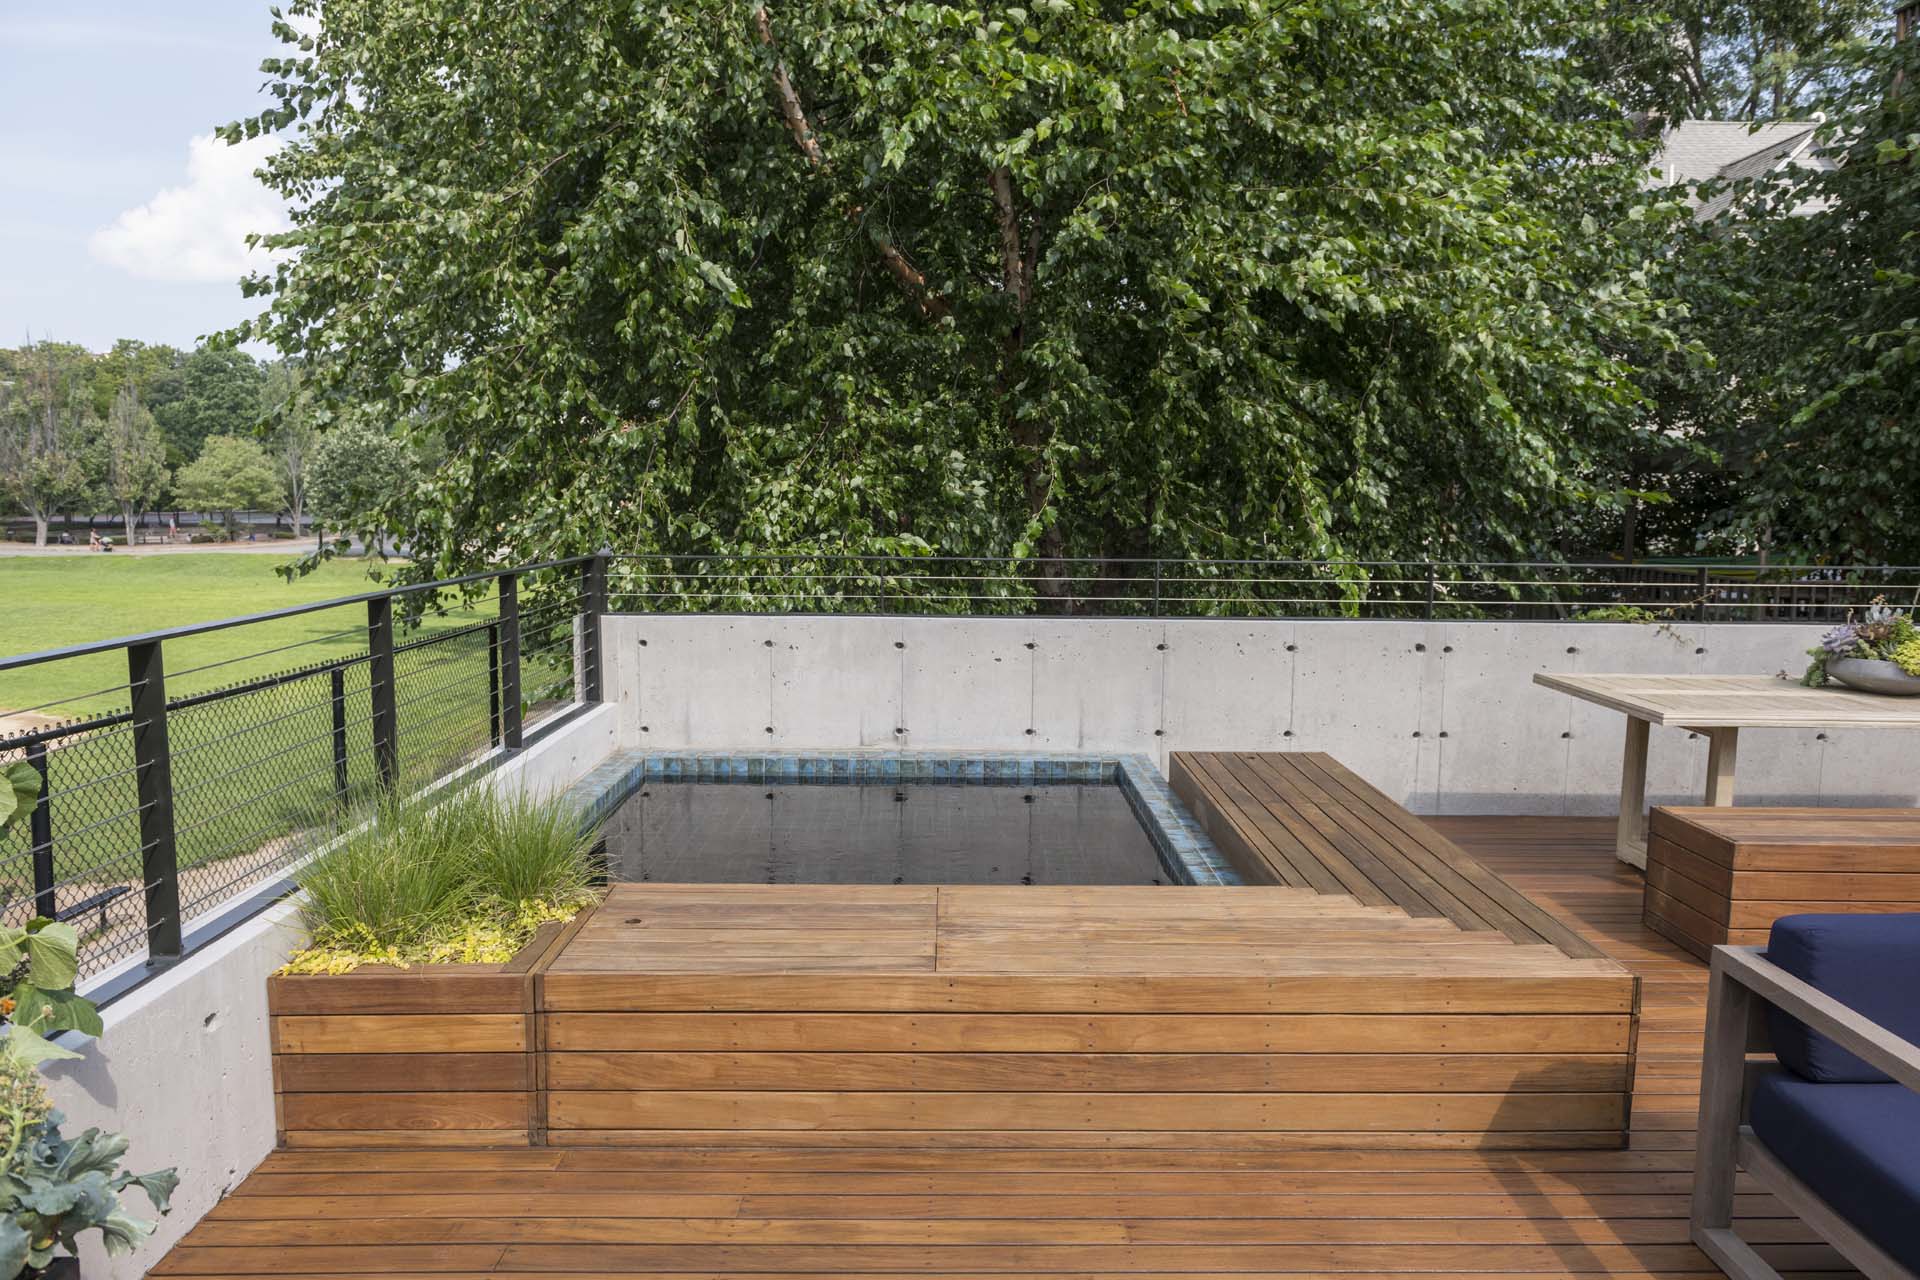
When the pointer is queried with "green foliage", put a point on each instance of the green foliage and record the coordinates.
(1734, 59)
(47, 424)
(1808, 293)
(40, 961)
(1216, 278)
(219, 395)
(293, 423)
(416, 878)
(357, 473)
(1619, 613)
(135, 464)
(231, 474)
(19, 792)
(54, 1188)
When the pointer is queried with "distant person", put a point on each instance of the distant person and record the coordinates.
(93, 540)
(173, 529)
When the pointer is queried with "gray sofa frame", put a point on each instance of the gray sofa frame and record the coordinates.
(1741, 986)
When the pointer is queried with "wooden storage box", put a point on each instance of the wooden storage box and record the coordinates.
(1724, 875)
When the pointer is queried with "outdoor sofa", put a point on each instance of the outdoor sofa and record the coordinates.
(1831, 1124)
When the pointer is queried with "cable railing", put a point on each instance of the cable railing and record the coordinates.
(166, 798)
(1172, 588)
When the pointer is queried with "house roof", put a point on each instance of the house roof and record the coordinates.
(1727, 151)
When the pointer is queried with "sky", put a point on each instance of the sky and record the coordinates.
(120, 215)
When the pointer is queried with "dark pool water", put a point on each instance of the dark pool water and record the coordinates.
(908, 833)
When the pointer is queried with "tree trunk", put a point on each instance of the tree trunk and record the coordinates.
(39, 530)
(126, 514)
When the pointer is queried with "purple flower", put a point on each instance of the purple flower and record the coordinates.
(1842, 640)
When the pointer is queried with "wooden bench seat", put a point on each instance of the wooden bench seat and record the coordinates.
(1305, 819)
(1724, 875)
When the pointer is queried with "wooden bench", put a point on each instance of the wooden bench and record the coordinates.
(1305, 819)
(1720, 875)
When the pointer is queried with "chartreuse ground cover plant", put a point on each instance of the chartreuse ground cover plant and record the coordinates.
(467, 879)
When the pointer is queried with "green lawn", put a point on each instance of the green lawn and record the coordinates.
(253, 773)
(51, 602)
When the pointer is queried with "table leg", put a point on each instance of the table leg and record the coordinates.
(1723, 749)
(1630, 838)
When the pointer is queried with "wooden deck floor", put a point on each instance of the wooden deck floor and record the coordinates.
(899, 1209)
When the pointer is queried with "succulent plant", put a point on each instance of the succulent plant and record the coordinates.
(1842, 640)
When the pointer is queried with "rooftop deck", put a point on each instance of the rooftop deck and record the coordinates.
(893, 1205)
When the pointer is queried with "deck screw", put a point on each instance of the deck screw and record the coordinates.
(1416, 733)
(1573, 648)
(899, 644)
(1446, 648)
(646, 728)
(769, 728)
(643, 644)
(1419, 648)
(1160, 646)
(1029, 733)
(1568, 734)
(1030, 644)
(1159, 733)
(767, 643)
(1443, 733)
(899, 730)
(1293, 648)
(1286, 733)
(1700, 650)
(1819, 737)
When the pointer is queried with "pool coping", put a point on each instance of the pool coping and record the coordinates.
(1185, 850)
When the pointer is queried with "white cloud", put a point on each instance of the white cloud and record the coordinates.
(198, 232)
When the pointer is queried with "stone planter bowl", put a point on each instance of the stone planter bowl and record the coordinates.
(1871, 675)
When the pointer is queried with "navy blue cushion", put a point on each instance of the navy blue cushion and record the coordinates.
(1856, 1145)
(1866, 962)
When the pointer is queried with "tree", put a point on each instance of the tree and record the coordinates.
(1176, 279)
(136, 453)
(1808, 292)
(231, 474)
(220, 391)
(1735, 59)
(360, 481)
(46, 427)
(291, 418)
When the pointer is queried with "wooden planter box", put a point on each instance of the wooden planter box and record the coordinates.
(431, 1056)
(1724, 875)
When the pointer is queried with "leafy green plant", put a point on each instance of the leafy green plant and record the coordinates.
(19, 792)
(1618, 613)
(467, 879)
(40, 961)
(53, 1188)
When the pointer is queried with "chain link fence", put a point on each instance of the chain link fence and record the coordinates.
(189, 786)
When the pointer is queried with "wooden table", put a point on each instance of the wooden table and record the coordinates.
(1717, 708)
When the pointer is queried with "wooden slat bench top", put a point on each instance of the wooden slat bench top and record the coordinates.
(1304, 819)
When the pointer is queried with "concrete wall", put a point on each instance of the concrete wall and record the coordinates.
(1443, 716)
(184, 1067)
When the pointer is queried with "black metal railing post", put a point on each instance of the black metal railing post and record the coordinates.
(386, 718)
(342, 785)
(1156, 587)
(40, 833)
(1433, 588)
(153, 785)
(509, 650)
(1704, 587)
(493, 683)
(593, 608)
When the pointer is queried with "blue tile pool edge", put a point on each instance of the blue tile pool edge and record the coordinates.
(1185, 850)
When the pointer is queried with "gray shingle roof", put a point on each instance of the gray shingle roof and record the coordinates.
(1731, 150)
